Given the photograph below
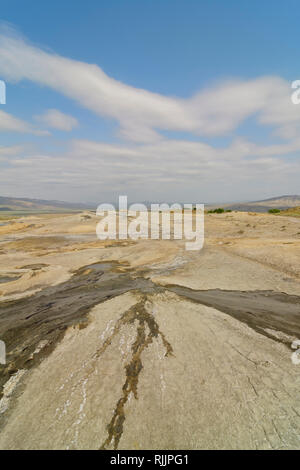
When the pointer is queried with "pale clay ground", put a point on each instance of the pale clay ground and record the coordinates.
(224, 386)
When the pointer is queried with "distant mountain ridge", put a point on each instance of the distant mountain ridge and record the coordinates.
(27, 204)
(287, 201)
(279, 202)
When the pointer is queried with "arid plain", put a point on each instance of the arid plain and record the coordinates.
(144, 345)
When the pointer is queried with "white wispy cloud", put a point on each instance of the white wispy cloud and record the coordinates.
(9, 123)
(6, 151)
(57, 120)
(140, 113)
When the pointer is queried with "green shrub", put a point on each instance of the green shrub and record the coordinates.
(220, 210)
(274, 211)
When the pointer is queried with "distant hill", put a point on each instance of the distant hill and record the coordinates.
(33, 205)
(282, 201)
(42, 205)
(279, 202)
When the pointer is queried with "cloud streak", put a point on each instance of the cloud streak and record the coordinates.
(57, 120)
(140, 113)
(9, 123)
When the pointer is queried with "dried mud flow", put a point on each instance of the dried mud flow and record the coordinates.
(147, 329)
(46, 315)
(261, 310)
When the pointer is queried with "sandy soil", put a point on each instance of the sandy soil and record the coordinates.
(114, 358)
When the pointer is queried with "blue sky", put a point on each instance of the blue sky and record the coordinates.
(208, 115)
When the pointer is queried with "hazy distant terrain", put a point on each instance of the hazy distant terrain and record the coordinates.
(40, 205)
(280, 202)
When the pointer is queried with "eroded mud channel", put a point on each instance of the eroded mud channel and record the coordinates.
(4, 279)
(44, 317)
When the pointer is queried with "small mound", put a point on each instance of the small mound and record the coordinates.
(291, 212)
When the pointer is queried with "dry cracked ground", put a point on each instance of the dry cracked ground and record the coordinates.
(144, 345)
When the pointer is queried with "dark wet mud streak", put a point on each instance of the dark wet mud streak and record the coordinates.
(8, 278)
(35, 267)
(260, 310)
(147, 330)
(47, 314)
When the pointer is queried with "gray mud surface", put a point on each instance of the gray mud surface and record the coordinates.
(46, 315)
(260, 310)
